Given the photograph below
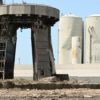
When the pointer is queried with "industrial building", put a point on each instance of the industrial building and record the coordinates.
(70, 26)
(78, 40)
(92, 48)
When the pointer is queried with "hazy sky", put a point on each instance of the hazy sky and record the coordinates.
(81, 8)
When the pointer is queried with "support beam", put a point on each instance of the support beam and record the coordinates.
(9, 34)
(41, 47)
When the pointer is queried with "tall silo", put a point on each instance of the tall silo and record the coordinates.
(92, 47)
(69, 26)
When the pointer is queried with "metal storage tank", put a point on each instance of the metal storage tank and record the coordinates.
(92, 47)
(69, 26)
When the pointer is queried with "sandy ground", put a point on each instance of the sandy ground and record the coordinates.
(66, 94)
(49, 93)
(10, 90)
(46, 94)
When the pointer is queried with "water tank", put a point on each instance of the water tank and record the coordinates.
(69, 26)
(92, 47)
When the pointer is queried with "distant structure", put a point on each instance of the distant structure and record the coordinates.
(70, 39)
(92, 47)
(24, 2)
(39, 18)
(1, 2)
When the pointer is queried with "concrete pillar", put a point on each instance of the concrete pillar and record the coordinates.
(42, 49)
(1, 2)
(10, 58)
(10, 37)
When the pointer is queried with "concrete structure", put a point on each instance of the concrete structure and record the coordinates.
(76, 50)
(39, 18)
(92, 48)
(69, 26)
(89, 73)
(1, 2)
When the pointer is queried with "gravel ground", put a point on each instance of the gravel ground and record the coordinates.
(16, 90)
(69, 94)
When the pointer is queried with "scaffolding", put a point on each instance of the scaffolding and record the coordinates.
(3, 46)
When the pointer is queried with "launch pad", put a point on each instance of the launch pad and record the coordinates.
(39, 18)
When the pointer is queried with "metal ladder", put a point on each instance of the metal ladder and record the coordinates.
(3, 46)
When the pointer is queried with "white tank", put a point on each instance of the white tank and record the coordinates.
(76, 50)
(92, 47)
(69, 26)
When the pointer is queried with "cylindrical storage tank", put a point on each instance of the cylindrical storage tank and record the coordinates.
(92, 45)
(69, 26)
(76, 50)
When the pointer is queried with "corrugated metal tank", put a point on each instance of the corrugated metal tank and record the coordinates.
(69, 26)
(92, 47)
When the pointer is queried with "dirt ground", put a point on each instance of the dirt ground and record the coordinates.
(48, 89)
(63, 94)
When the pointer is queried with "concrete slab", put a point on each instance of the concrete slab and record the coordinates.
(89, 73)
(36, 9)
(3, 9)
(83, 70)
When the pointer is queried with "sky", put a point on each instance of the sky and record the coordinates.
(82, 8)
